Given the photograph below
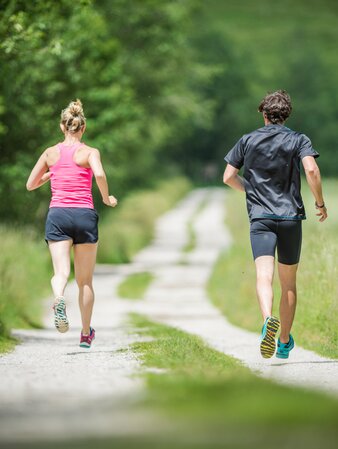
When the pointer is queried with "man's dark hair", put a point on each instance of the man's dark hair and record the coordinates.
(276, 106)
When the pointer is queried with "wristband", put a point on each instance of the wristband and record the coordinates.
(319, 207)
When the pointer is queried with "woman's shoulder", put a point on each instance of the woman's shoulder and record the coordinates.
(52, 147)
(51, 150)
(86, 147)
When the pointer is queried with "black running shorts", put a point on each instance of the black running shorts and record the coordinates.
(72, 223)
(286, 235)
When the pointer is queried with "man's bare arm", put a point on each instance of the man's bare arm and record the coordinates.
(314, 180)
(232, 179)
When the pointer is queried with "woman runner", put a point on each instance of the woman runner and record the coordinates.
(72, 220)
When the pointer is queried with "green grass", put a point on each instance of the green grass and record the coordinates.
(232, 284)
(24, 281)
(214, 394)
(135, 285)
(191, 243)
(129, 227)
(7, 343)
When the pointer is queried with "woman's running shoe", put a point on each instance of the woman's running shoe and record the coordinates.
(268, 342)
(283, 349)
(60, 318)
(86, 340)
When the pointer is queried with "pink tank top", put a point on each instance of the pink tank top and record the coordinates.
(71, 184)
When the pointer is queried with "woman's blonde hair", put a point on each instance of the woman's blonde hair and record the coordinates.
(73, 117)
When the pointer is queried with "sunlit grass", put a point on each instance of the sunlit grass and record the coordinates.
(215, 393)
(232, 285)
(135, 285)
(191, 243)
(24, 280)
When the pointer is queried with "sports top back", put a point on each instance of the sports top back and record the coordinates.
(71, 184)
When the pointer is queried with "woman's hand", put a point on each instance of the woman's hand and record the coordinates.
(111, 201)
(45, 177)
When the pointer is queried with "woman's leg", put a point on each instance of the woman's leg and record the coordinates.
(60, 252)
(84, 263)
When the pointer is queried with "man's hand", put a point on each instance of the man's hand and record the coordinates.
(322, 212)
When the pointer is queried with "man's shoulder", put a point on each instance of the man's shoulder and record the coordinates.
(273, 131)
(253, 134)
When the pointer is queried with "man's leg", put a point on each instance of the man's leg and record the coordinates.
(263, 242)
(264, 272)
(287, 277)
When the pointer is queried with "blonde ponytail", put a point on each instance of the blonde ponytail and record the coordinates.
(73, 117)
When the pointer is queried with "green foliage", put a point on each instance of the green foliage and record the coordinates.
(167, 85)
(24, 280)
(124, 60)
(316, 322)
(129, 227)
(289, 45)
(135, 285)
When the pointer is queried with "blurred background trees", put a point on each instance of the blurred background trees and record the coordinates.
(168, 86)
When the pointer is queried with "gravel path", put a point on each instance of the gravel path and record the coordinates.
(49, 383)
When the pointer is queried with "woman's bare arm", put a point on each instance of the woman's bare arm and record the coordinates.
(95, 163)
(39, 175)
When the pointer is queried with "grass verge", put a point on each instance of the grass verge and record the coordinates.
(232, 284)
(24, 280)
(135, 285)
(124, 231)
(191, 243)
(204, 390)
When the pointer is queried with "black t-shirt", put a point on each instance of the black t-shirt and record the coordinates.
(271, 158)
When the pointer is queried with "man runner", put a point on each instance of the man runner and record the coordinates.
(271, 180)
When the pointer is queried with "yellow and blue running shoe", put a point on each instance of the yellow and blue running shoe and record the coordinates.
(283, 349)
(60, 317)
(268, 342)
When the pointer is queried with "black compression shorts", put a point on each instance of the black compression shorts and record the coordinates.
(72, 223)
(286, 235)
